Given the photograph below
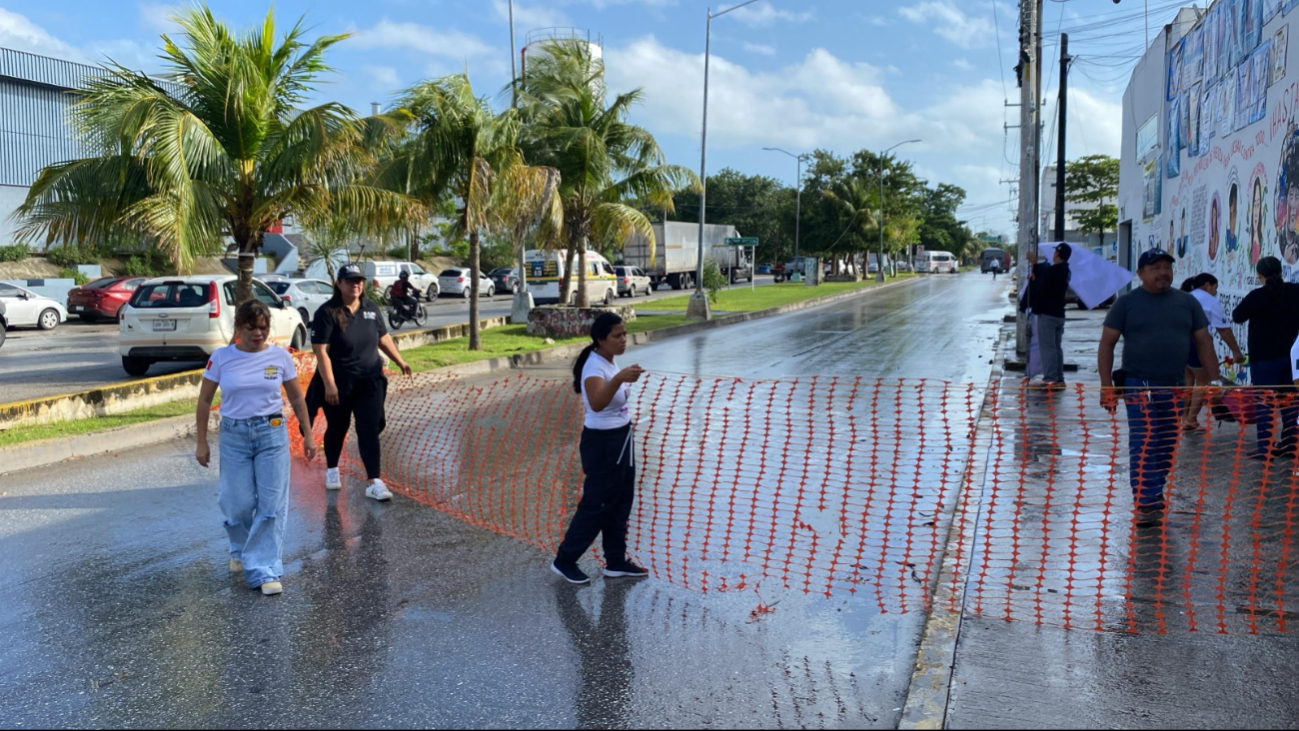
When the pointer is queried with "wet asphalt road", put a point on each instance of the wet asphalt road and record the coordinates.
(116, 608)
(77, 356)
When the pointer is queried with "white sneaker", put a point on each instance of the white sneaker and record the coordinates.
(333, 481)
(378, 491)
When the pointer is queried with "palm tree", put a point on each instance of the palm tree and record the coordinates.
(218, 151)
(859, 200)
(461, 149)
(528, 201)
(602, 160)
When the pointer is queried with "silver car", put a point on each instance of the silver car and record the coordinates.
(455, 281)
(632, 281)
(304, 295)
(25, 308)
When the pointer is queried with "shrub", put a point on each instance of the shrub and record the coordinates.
(68, 255)
(15, 252)
(714, 280)
(74, 274)
(147, 264)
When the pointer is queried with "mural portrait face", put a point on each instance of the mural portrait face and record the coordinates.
(1287, 197)
(1215, 223)
(1256, 222)
(1231, 218)
(1181, 237)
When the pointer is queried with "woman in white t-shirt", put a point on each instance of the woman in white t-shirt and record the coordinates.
(254, 480)
(608, 457)
(1204, 287)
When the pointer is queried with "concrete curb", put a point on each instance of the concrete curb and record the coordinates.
(51, 451)
(931, 680)
(119, 398)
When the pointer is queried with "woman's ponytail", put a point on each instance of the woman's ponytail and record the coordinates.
(579, 365)
(600, 329)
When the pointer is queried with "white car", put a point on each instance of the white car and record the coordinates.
(25, 308)
(455, 281)
(383, 274)
(304, 295)
(186, 318)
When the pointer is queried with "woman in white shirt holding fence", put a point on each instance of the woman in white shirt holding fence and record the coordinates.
(254, 478)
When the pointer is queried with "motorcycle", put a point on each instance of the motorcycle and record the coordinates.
(398, 316)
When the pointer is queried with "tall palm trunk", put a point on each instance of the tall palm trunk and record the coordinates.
(247, 249)
(474, 247)
(569, 255)
(582, 299)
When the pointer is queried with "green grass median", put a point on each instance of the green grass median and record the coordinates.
(76, 427)
(743, 299)
(508, 340)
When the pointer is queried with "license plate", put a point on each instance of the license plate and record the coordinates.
(74, 308)
(164, 325)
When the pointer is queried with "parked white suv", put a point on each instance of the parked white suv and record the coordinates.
(383, 274)
(186, 318)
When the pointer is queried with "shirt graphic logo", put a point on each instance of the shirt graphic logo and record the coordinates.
(271, 373)
(369, 315)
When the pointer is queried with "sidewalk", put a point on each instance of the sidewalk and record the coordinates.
(1064, 615)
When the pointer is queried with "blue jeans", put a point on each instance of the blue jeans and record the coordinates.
(1274, 372)
(254, 494)
(1152, 436)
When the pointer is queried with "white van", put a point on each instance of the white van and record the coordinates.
(546, 268)
(936, 262)
(383, 274)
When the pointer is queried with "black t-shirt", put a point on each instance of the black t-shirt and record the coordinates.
(1052, 283)
(354, 351)
(1273, 321)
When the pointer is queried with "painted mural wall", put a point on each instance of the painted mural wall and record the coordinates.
(1223, 189)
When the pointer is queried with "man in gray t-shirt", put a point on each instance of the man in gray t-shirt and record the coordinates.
(1158, 325)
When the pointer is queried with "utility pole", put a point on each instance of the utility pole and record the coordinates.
(1029, 94)
(1059, 159)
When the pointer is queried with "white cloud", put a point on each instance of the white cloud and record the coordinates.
(962, 64)
(820, 101)
(528, 17)
(157, 17)
(875, 20)
(763, 14)
(951, 23)
(1095, 123)
(760, 49)
(420, 39)
(385, 79)
(21, 34)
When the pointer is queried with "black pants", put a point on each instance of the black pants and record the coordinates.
(364, 400)
(407, 303)
(607, 496)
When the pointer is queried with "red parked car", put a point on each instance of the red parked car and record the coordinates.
(102, 298)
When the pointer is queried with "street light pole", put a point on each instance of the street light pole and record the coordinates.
(697, 309)
(879, 264)
(798, 192)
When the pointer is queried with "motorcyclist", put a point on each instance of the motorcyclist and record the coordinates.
(403, 296)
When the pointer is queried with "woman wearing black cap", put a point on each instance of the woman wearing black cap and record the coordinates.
(608, 457)
(347, 334)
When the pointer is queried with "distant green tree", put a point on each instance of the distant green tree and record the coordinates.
(1093, 181)
(940, 230)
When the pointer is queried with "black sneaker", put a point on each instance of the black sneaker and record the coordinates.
(571, 573)
(624, 568)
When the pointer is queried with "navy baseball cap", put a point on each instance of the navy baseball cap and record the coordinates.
(350, 271)
(1154, 255)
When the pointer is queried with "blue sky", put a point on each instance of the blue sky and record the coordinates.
(835, 74)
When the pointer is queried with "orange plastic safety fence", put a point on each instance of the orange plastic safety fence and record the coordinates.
(829, 485)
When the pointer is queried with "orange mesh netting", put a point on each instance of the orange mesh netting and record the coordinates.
(828, 485)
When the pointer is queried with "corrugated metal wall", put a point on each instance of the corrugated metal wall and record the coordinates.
(33, 130)
(34, 101)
